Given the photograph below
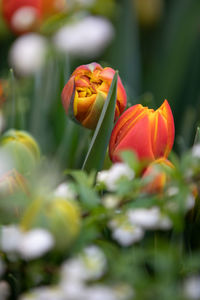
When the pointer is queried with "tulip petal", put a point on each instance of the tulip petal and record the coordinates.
(68, 93)
(167, 113)
(94, 114)
(138, 139)
(159, 132)
(107, 74)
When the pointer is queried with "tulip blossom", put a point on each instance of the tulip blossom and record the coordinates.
(149, 133)
(85, 93)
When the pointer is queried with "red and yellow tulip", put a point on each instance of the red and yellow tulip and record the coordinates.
(86, 91)
(149, 133)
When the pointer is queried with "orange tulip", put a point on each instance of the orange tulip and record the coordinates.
(86, 91)
(158, 178)
(149, 133)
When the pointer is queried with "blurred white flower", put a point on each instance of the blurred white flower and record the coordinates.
(111, 177)
(124, 232)
(172, 191)
(73, 289)
(196, 151)
(94, 262)
(35, 243)
(190, 202)
(24, 18)
(89, 265)
(192, 287)
(44, 293)
(65, 191)
(85, 38)
(27, 54)
(99, 292)
(149, 218)
(110, 201)
(10, 238)
(4, 290)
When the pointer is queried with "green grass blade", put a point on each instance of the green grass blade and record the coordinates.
(97, 150)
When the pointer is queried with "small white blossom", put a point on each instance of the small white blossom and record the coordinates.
(99, 292)
(149, 218)
(64, 190)
(173, 191)
(196, 151)
(4, 290)
(35, 243)
(190, 202)
(85, 38)
(192, 288)
(10, 238)
(44, 293)
(111, 177)
(73, 289)
(24, 18)
(110, 201)
(89, 265)
(27, 54)
(124, 232)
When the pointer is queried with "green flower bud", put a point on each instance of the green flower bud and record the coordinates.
(22, 148)
(59, 216)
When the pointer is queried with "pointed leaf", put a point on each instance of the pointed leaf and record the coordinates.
(97, 150)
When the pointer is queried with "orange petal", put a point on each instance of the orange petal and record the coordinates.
(137, 139)
(167, 113)
(68, 93)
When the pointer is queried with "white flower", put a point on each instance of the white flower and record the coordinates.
(4, 290)
(85, 38)
(192, 287)
(196, 151)
(173, 191)
(73, 289)
(10, 238)
(24, 18)
(110, 201)
(65, 191)
(35, 243)
(99, 292)
(89, 265)
(111, 177)
(94, 261)
(149, 218)
(27, 54)
(190, 202)
(124, 232)
(44, 293)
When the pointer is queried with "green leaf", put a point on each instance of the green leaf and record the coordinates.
(97, 150)
(197, 136)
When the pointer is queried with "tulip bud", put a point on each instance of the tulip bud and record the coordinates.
(149, 133)
(58, 215)
(22, 15)
(86, 91)
(22, 148)
(158, 177)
